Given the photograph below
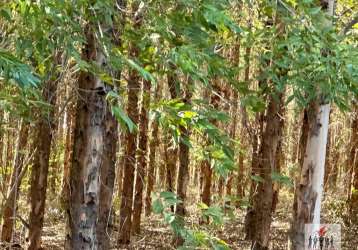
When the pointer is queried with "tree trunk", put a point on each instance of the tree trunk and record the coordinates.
(353, 163)
(207, 178)
(154, 141)
(170, 150)
(309, 189)
(328, 162)
(125, 223)
(91, 152)
(107, 177)
(45, 130)
(307, 204)
(183, 172)
(263, 198)
(10, 207)
(68, 154)
(206, 169)
(142, 157)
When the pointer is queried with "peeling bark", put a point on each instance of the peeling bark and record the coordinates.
(91, 152)
(309, 189)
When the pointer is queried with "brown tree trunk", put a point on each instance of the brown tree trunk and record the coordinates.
(92, 151)
(125, 223)
(353, 163)
(170, 149)
(183, 172)
(206, 169)
(207, 178)
(154, 141)
(142, 157)
(263, 198)
(107, 176)
(240, 190)
(10, 207)
(45, 130)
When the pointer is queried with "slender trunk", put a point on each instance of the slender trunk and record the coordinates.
(170, 150)
(68, 153)
(10, 207)
(207, 178)
(142, 157)
(125, 223)
(206, 169)
(183, 172)
(240, 190)
(263, 199)
(234, 113)
(353, 163)
(45, 130)
(279, 163)
(328, 163)
(154, 141)
(55, 168)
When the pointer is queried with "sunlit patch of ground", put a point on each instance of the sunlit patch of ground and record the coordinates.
(156, 235)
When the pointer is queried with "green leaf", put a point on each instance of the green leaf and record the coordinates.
(157, 206)
(6, 13)
(257, 178)
(277, 177)
(123, 118)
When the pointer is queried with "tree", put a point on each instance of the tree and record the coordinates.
(142, 157)
(353, 163)
(10, 207)
(309, 189)
(93, 155)
(45, 130)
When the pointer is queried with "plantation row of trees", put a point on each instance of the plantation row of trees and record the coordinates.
(113, 110)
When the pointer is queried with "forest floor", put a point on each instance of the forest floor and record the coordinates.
(156, 235)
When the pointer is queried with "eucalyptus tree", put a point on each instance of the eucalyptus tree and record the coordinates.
(329, 83)
(92, 170)
(273, 78)
(38, 42)
(12, 70)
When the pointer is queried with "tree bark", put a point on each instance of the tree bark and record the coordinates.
(263, 200)
(107, 178)
(170, 149)
(10, 207)
(183, 172)
(68, 153)
(154, 141)
(207, 171)
(142, 157)
(309, 189)
(92, 153)
(125, 223)
(45, 130)
(353, 163)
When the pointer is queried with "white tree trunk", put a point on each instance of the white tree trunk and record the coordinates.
(316, 155)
